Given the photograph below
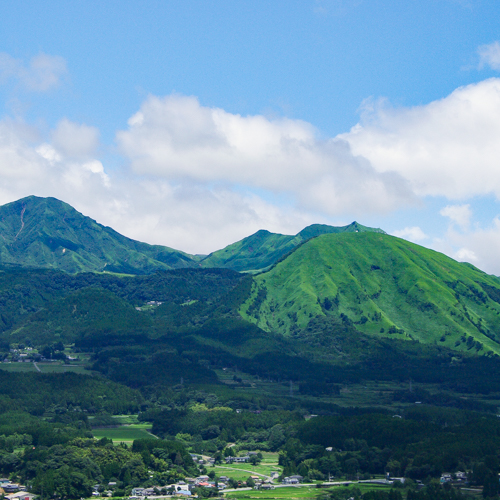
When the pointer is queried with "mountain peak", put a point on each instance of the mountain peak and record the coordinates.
(49, 233)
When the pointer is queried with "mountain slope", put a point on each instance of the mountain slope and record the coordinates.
(87, 313)
(46, 232)
(386, 286)
(263, 249)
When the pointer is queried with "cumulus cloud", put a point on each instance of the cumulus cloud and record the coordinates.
(42, 73)
(75, 139)
(176, 138)
(489, 55)
(189, 217)
(479, 246)
(414, 234)
(465, 255)
(458, 214)
(201, 178)
(448, 148)
(28, 166)
(196, 219)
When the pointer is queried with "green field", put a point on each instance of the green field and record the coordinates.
(297, 492)
(124, 434)
(242, 471)
(288, 492)
(129, 419)
(44, 368)
(18, 367)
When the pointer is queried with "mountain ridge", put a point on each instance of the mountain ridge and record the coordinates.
(39, 232)
(263, 249)
(46, 232)
(385, 286)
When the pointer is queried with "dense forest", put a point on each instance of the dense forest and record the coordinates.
(172, 349)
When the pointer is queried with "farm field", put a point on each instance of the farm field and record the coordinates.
(291, 492)
(242, 471)
(128, 419)
(298, 492)
(124, 433)
(367, 394)
(44, 368)
(18, 367)
(61, 368)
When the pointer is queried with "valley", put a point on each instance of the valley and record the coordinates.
(337, 352)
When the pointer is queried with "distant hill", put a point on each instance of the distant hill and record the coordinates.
(384, 286)
(262, 249)
(46, 232)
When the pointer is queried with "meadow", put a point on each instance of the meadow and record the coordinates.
(43, 368)
(124, 433)
(291, 492)
(242, 471)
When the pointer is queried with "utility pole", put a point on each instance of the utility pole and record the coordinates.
(291, 389)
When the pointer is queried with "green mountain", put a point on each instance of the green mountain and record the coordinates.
(87, 313)
(384, 286)
(262, 249)
(46, 232)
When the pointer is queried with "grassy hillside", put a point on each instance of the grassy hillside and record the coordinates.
(45, 232)
(383, 285)
(262, 249)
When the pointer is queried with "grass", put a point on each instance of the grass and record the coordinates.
(18, 367)
(60, 368)
(124, 434)
(433, 298)
(288, 492)
(242, 471)
(44, 368)
(298, 492)
(130, 419)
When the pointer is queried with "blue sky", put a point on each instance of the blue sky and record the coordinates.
(194, 123)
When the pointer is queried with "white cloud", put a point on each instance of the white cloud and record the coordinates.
(193, 218)
(30, 167)
(479, 246)
(414, 234)
(176, 138)
(458, 214)
(43, 73)
(465, 255)
(201, 178)
(489, 55)
(448, 148)
(75, 139)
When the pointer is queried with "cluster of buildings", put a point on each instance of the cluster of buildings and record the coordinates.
(241, 460)
(237, 460)
(30, 355)
(292, 480)
(457, 477)
(198, 460)
(186, 488)
(182, 488)
(14, 491)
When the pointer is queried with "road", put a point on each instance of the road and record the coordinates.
(310, 485)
